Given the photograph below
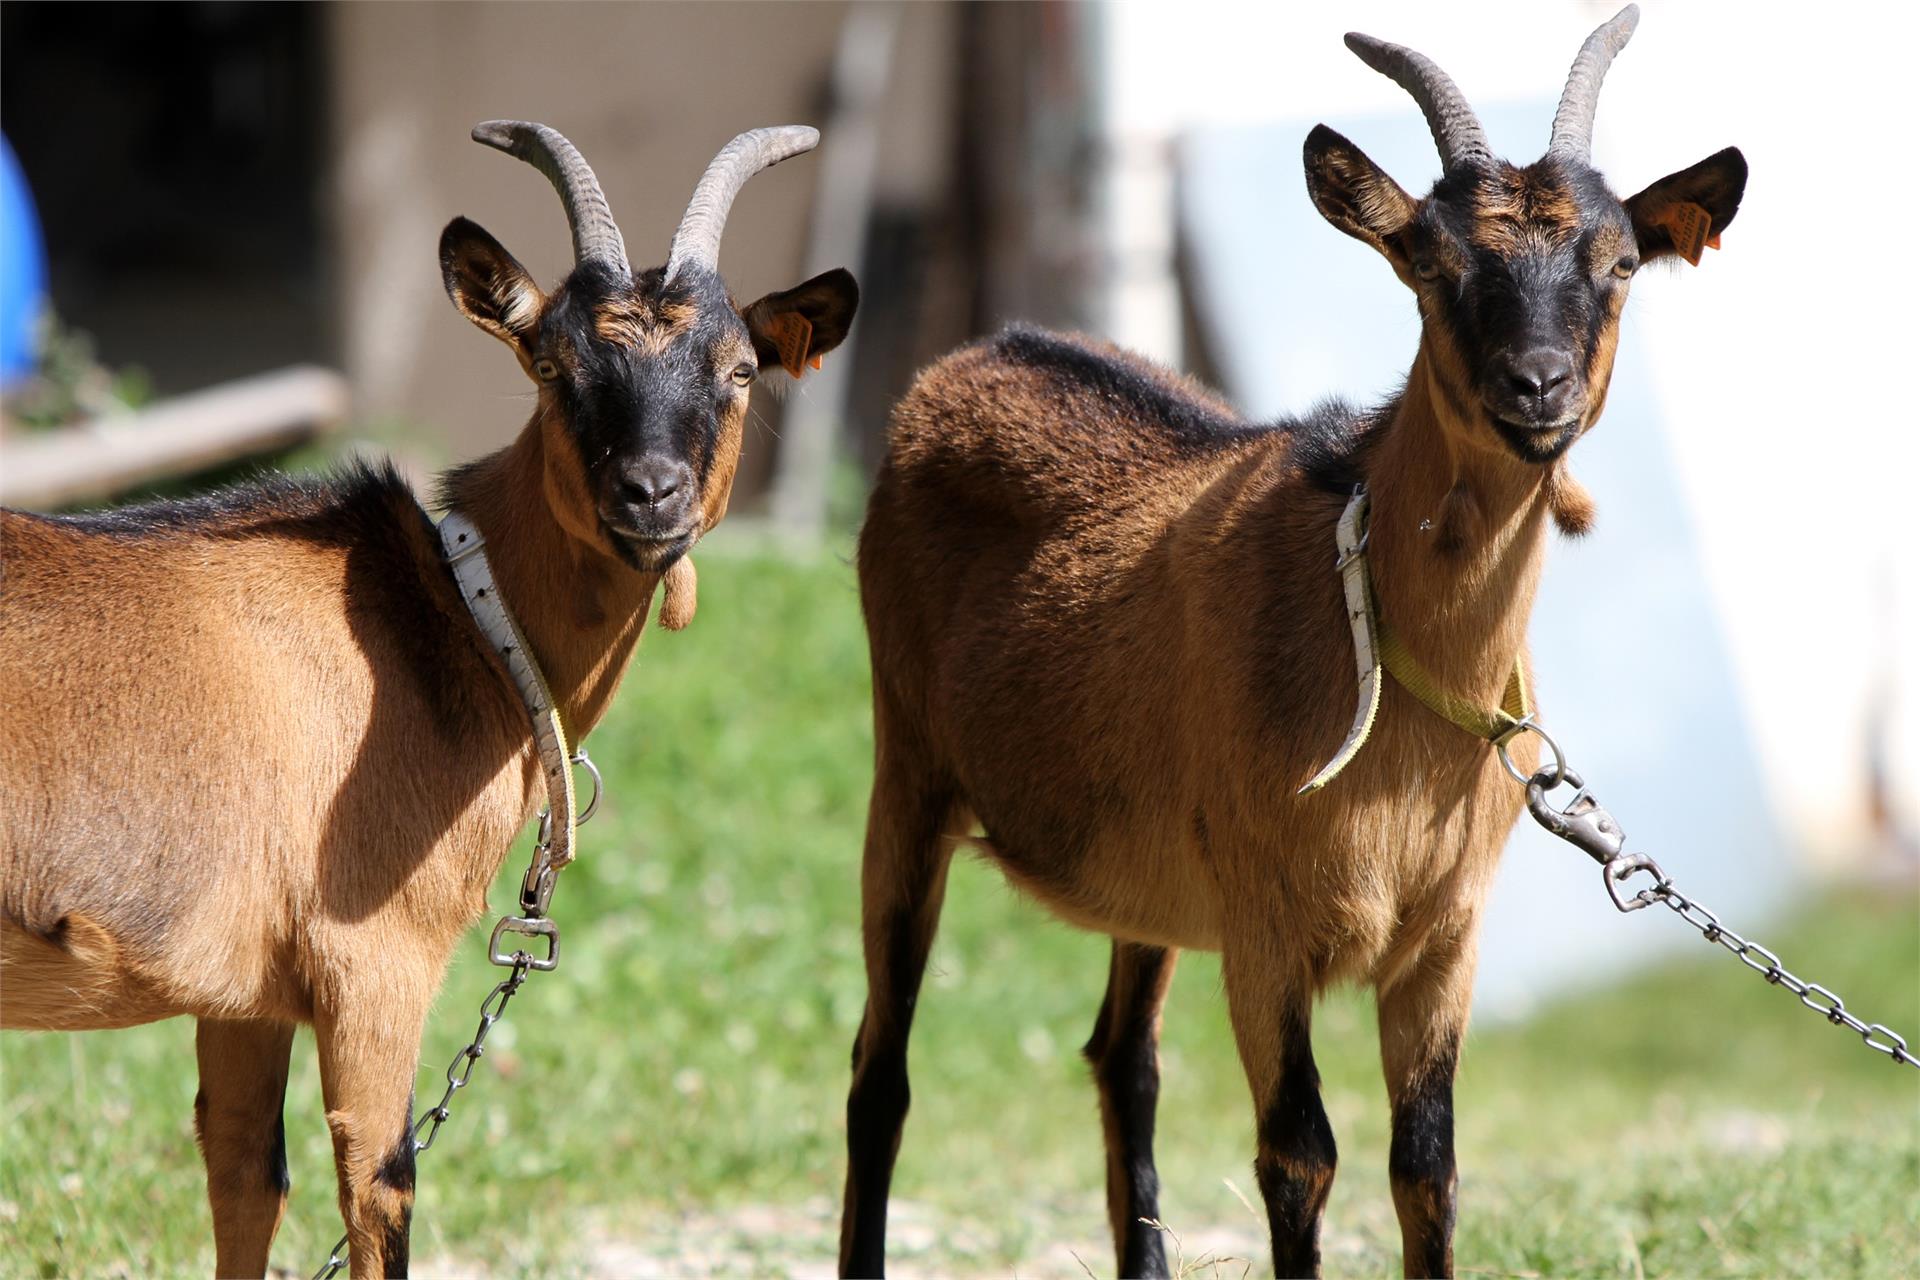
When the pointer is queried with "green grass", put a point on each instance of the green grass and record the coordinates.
(671, 1099)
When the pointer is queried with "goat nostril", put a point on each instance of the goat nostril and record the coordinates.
(1538, 374)
(653, 484)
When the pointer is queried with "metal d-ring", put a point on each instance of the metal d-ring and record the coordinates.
(593, 771)
(545, 835)
(1527, 725)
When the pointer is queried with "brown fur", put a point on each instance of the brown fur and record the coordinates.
(1112, 650)
(263, 764)
(1514, 206)
(645, 324)
(1107, 629)
(266, 819)
(1104, 625)
(234, 795)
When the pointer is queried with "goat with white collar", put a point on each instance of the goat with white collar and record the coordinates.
(263, 761)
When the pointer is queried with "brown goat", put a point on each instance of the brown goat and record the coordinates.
(262, 764)
(1106, 630)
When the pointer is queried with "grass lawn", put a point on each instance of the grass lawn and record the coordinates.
(670, 1101)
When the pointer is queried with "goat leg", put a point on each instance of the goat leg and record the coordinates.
(1124, 1052)
(903, 882)
(1422, 1018)
(368, 1057)
(1296, 1156)
(243, 1138)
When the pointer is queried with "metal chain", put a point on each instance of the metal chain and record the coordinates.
(1816, 997)
(427, 1127)
(519, 964)
(1586, 825)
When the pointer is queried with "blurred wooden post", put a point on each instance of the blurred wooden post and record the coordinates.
(803, 469)
(176, 437)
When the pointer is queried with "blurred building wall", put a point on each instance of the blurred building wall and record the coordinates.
(647, 92)
(232, 187)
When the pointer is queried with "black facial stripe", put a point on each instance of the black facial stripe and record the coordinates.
(663, 397)
(1463, 324)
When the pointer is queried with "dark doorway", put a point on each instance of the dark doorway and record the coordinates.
(175, 152)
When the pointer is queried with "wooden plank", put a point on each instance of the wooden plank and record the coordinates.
(176, 437)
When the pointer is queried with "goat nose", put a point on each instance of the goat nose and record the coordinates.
(655, 480)
(1540, 372)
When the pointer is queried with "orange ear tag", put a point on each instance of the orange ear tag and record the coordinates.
(1688, 224)
(792, 335)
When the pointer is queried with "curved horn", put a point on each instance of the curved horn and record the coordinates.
(1456, 129)
(595, 237)
(698, 239)
(1573, 122)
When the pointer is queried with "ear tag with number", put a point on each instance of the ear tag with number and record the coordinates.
(1689, 225)
(792, 334)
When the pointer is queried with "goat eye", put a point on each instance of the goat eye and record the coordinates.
(743, 374)
(1426, 269)
(1625, 267)
(545, 370)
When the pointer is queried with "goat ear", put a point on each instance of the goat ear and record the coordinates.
(1687, 210)
(1355, 194)
(488, 285)
(796, 327)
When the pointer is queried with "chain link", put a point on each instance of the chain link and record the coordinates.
(536, 890)
(1828, 1004)
(1587, 825)
(427, 1127)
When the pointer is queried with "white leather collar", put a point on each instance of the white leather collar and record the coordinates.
(467, 557)
(1350, 541)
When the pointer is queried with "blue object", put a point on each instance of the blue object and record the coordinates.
(23, 269)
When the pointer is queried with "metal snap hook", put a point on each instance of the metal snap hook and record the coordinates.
(1584, 823)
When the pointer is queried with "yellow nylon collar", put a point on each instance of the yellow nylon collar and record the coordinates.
(1498, 725)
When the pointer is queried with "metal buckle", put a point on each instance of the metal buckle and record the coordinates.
(526, 927)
